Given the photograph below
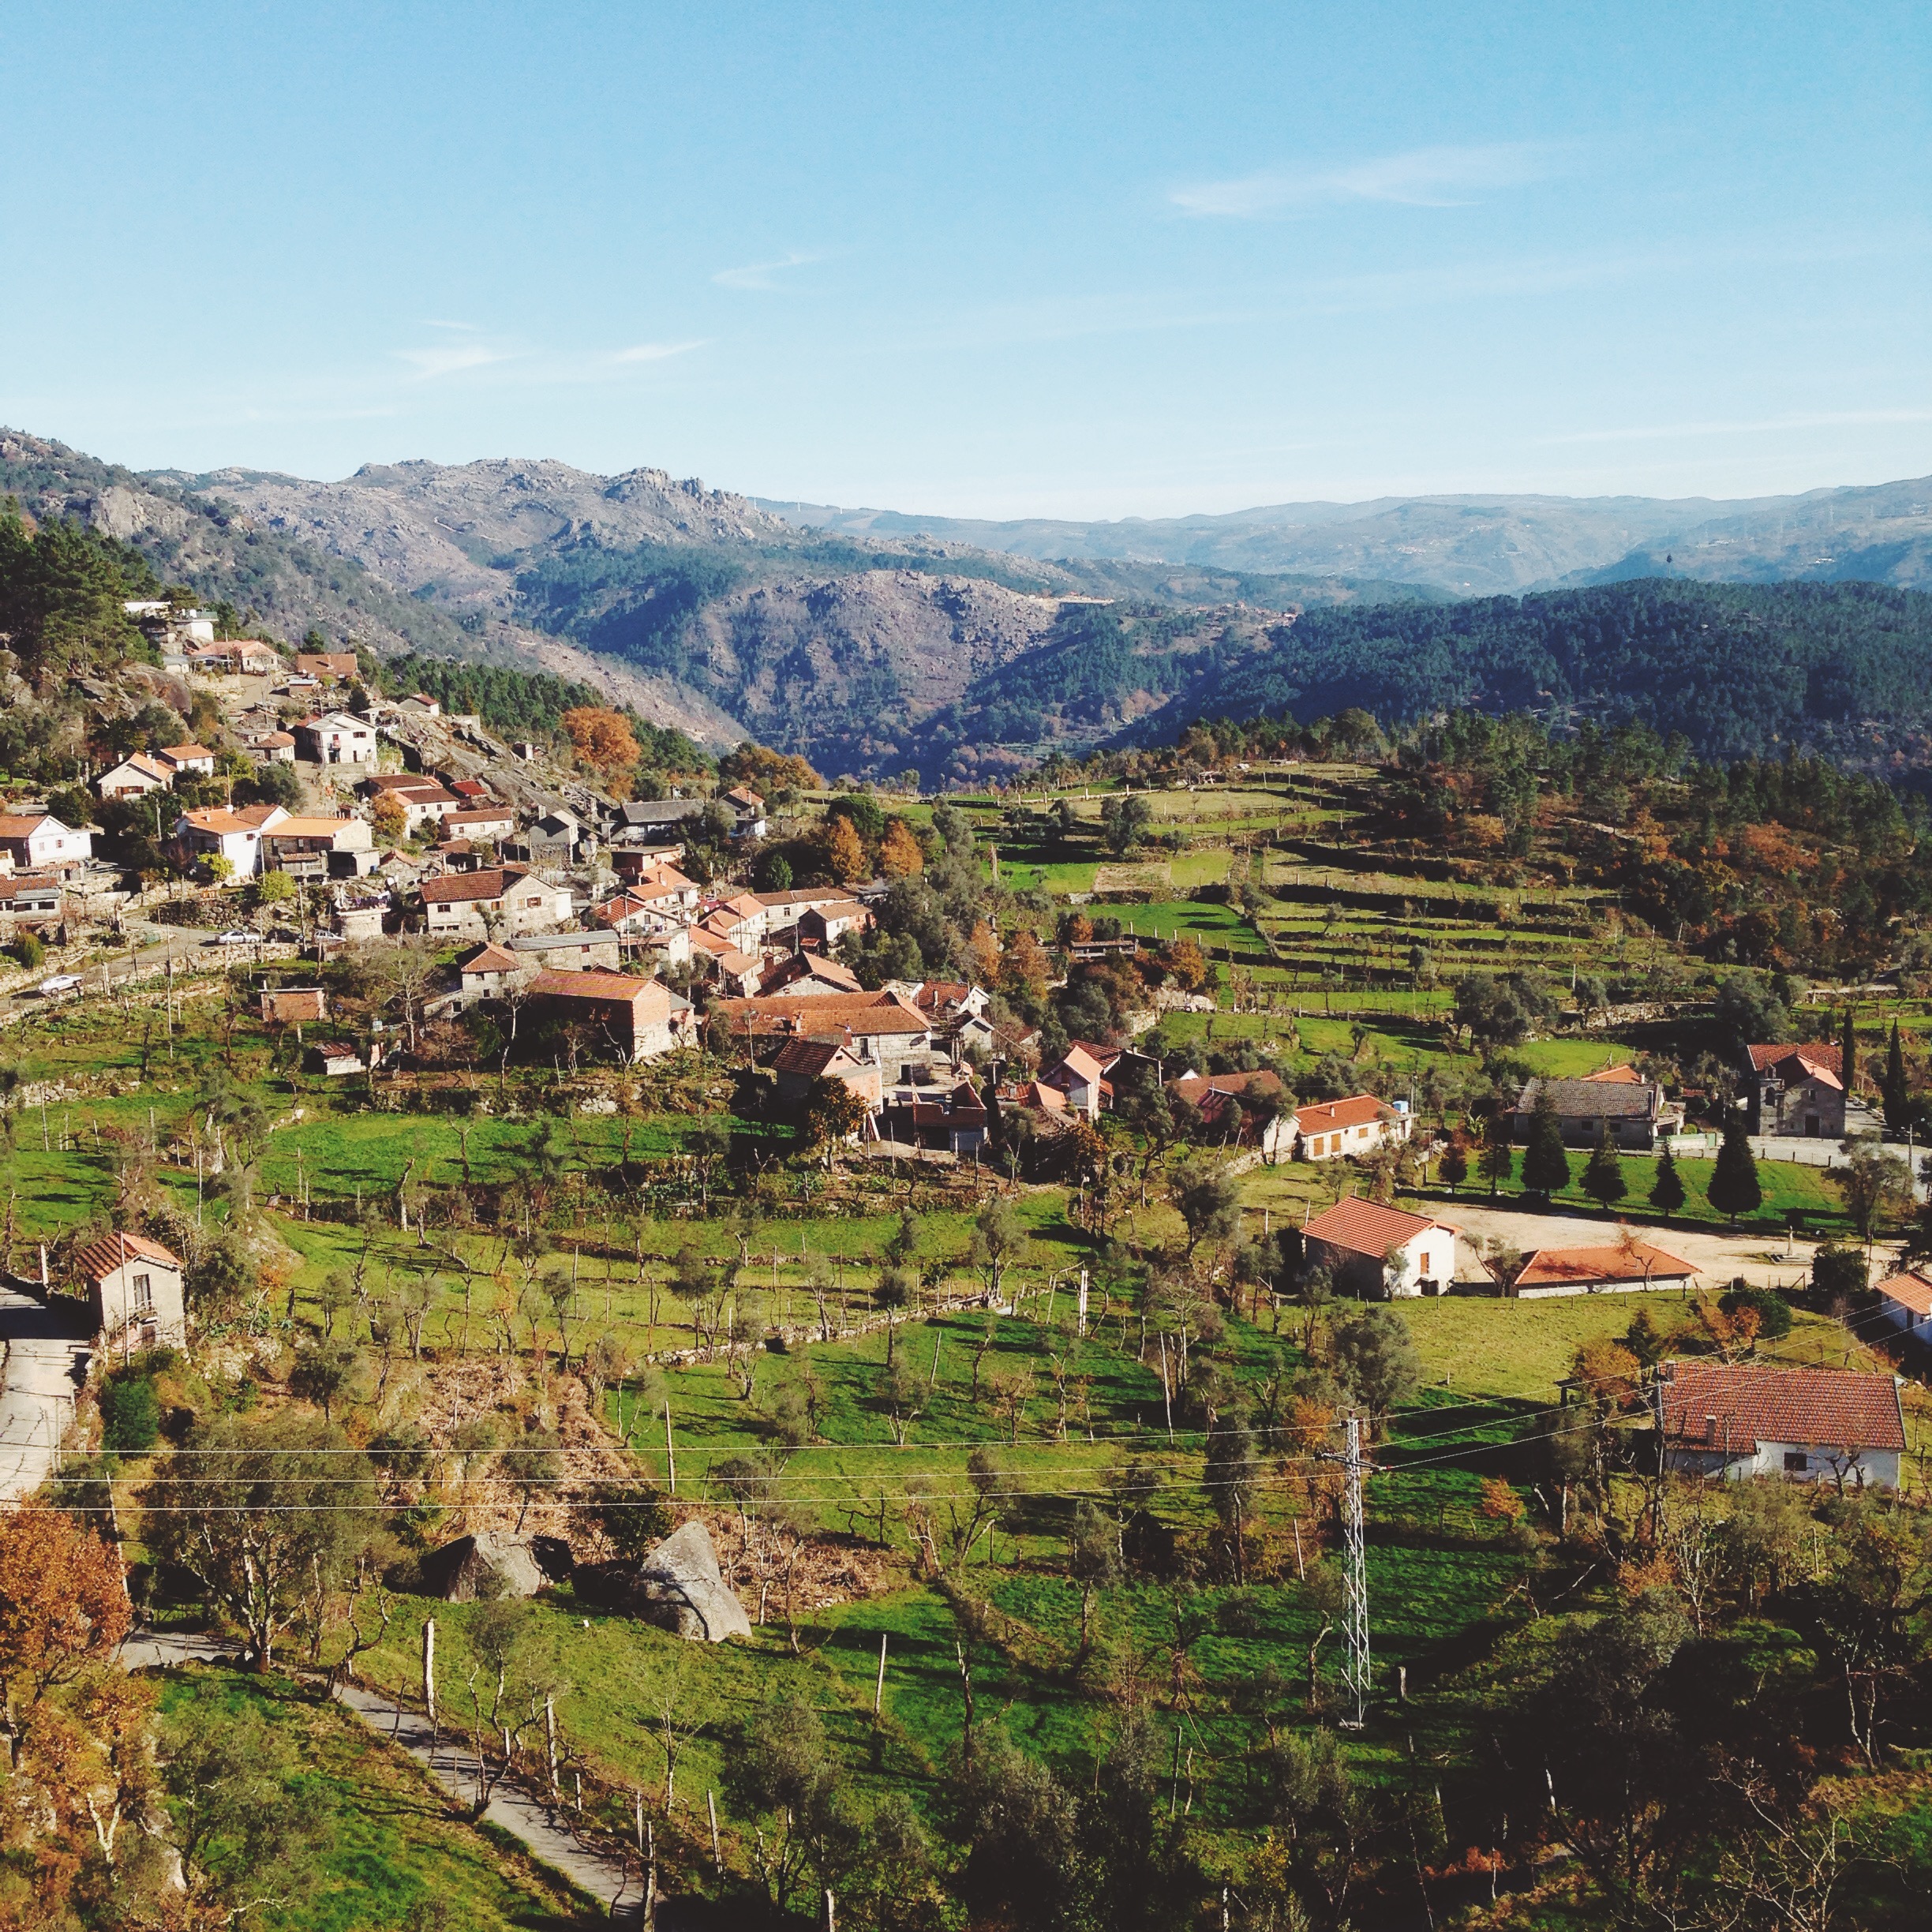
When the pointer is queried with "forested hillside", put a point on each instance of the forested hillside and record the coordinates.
(1738, 670)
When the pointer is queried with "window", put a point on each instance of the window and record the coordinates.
(144, 1292)
(1796, 1461)
(1426, 1270)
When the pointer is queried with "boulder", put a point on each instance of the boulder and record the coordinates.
(487, 1565)
(679, 1588)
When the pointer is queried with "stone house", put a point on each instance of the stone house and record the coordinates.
(1794, 1090)
(134, 1290)
(640, 1019)
(1634, 1111)
(499, 899)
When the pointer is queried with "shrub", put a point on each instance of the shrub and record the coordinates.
(29, 950)
(130, 1414)
(1773, 1311)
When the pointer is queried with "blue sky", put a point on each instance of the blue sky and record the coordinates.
(988, 260)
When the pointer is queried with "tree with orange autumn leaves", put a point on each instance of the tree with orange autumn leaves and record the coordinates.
(602, 740)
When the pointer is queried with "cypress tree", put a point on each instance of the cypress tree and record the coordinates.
(1734, 1188)
(1546, 1166)
(1454, 1168)
(1667, 1187)
(1602, 1177)
(1897, 1098)
(1498, 1157)
(1847, 1055)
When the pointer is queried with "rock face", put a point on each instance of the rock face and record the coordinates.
(679, 1588)
(489, 1565)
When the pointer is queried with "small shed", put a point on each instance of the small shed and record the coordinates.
(134, 1286)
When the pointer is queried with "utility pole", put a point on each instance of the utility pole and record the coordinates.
(1355, 1578)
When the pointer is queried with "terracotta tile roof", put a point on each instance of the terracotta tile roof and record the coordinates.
(1077, 1061)
(862, 1013)
(98, 1259)
(1262, 1084)
(14, 827)
(497, 814)
(1818, 1063)
(1909, 1290)
(1624, 1076)
(183, 753)
(1818, 1054)
(142, 763)
(593, 983)
(1326, 1116)
(810, 1057)
(1368, 1227)
(801, 966)
(293, 827)
(800, 896)
(489, 959)
(1705, 1405)
(937, 993)
(1553, 1266)
(492, 882)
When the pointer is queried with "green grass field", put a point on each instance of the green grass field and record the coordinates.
(387, 1842)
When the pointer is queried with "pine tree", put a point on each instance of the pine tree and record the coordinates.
(1898, 1096)
(1847, 1055)
(1734, 1187)
(1546, 1166)
(1667, 1187)
(1454, 1170)
(1602, 1177)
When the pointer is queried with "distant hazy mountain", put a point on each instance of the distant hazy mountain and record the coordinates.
(876, 642)
(1478, 546)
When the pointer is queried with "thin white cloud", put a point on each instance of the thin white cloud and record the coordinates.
(764, 275)
(429, 363)
(656, 352)
(1444, 177)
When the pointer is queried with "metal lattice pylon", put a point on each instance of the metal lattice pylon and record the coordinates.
(1355, 1577)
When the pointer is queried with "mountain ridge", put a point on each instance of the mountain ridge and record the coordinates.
(1481, 543)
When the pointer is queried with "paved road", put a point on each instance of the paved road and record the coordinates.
(46, 1364)
(611, 1881)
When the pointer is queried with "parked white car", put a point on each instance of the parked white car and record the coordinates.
(239, 935)
(59, 984)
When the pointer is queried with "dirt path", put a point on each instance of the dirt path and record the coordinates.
(612, 1882)
(1764, 1260)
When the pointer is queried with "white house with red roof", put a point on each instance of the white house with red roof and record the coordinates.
(1077, 1075)
(1370, 1247)
(1738, 1419)
(235, 834)
(1331, 1130)
(38, 842)
(195, 758)
(1622, 1267)
(1795, 1089)
(1905, 1300)
(134, 777)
